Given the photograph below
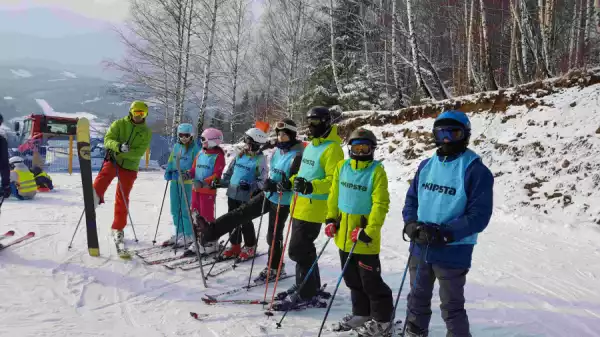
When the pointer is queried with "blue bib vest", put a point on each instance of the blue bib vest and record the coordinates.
(281, 163)
(244, 169)
(205, 165)
(186, 157)
(441, 192)
(311, 169)
(356, 188)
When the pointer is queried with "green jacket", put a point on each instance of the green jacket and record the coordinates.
(137, 136)
(348, 222)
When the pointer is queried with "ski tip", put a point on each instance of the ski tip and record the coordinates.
(94, 251)
(9, 233)
(194, 315)
(31, 234)
(212, 298)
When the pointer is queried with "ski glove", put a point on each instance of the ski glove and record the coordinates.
(186, 175)
(303, 186)
(433, 235)
(270, 186)
(124, 148)
(331, 228)
(216, 183)
(244, 186)
(359, 234)
(169, 175)
(411, 230)
(6, 191)
(284, 186)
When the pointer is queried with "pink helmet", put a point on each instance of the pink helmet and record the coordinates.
(212, 137)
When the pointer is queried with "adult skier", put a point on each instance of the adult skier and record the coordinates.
(4, 164)
(186, 150)
(206, 171)
(22, 181)
(312, 184)
(449, 202)
(284, 163)
(245, 177)
(126, 141)
(42, 179)
(357, 206)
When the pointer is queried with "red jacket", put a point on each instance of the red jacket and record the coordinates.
(203, 186)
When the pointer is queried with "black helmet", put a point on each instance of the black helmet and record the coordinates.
(362, 133)
(319, 112)
(323, 125)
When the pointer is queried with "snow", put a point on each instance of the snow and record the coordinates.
(533, 274)
(96, 99)
(22, 73)
(46, 108)
(68, 74)
(8, 98)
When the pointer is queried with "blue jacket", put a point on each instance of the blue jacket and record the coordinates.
(479, 183)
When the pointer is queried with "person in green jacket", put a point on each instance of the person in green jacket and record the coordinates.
(126, 141)
(357, 206)
(309, 208)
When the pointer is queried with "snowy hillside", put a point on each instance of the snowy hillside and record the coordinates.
(534, 274)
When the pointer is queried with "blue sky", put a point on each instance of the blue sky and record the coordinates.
(113, 11)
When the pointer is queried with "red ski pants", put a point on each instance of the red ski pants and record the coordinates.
(126, 180)
(204, 204)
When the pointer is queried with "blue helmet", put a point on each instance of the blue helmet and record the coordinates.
(185, 128)
(458, 116)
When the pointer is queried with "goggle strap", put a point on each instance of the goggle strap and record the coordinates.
(286, 126)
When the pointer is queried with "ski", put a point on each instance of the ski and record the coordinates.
(7, 235)
(193, 264)
(215, 301)
(231, 266)
(175, 258)
(85, 165)
(237, 290)
(19, 240)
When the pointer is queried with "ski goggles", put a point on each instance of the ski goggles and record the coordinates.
(139, 113)
(285, 126)
(448, 134)
(314, 121)
(185, 135)
(361, 148)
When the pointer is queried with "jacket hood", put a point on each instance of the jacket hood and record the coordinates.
(332, 136)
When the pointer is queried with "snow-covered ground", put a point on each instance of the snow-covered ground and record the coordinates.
(536, 269)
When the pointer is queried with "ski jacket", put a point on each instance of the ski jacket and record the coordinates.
(455, 193)
(187, 155)
(24, 181)
(4, 166)
(359, 196)
(207, 167)
(137, 136)
(319, 160)
(284, 162)
(251, 168)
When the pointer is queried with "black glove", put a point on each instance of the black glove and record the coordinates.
(6, 191)
(411, 230)
(244, 186)
(270, 186)
(303, 186)
(433, 235)
(215, 183)
(284, 185)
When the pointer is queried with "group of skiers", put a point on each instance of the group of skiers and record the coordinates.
(450, 201)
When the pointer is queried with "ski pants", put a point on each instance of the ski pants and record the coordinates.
(370, 295)
(179, 211)
(303, 251)
(204, 204)
(246, 213)
(245, 227)
(452, 283)
(126, 180)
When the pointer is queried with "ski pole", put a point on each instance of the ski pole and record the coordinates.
(76, 228)
(283, 251)
(125, 200)
(410, 253)
(220, 253)
(414, 285)
(273, 245)
(337, 286)
(262, 213)
(303, 282)
(160, 213)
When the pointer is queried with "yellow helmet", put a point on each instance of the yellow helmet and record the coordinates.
(139, 109)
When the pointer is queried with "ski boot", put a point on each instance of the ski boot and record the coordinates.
(177, 242)
(119, 239)
(372, 328)
(321, 293)
(350, 322)
(232, 252)
(414, 331)
(246, 254)
(295, 302)
(262, 276)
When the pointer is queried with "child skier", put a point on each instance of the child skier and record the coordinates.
(449, 202)
(187, 150)
(357, 206)
(206, 171)
(22, 181)
(284, 163)
(245, 177)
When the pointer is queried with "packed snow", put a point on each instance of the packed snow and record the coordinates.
(96, 99)
(21, 73)
(533, 274)
(8, 98)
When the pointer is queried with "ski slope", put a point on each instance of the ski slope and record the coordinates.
(531, 276)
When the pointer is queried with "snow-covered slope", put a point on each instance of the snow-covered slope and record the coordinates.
(534, 274)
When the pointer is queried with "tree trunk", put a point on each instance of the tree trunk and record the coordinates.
(234, 74)
(395, 63)
(471, 76)
(413, 47)
(487, 54)
(207, 69)
(340, 90)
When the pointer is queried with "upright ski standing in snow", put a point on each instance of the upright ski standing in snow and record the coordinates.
(187, 208)
(85, 166)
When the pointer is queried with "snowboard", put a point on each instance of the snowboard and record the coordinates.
(85, 166)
